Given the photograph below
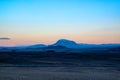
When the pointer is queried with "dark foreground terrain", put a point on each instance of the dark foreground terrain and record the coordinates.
(65, 65)
(59, 73)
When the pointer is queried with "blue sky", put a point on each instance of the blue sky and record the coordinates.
(44, 21)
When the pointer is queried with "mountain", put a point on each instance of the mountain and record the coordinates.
(66, 43)
(72, 44)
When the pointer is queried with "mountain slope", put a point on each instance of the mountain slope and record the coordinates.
(37, 46)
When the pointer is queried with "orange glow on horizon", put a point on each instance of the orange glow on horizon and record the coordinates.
(23, 40)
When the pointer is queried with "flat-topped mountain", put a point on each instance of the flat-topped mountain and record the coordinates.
(66, 43)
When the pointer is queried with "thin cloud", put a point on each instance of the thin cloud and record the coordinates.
(4, 38)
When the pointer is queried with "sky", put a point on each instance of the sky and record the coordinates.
(24, 22)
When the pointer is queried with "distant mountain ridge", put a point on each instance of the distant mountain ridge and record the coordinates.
(65, 43)
(37, 46)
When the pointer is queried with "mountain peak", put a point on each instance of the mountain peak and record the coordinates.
(64, 40)
(66, 43)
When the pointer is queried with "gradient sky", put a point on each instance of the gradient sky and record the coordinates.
(45, 21)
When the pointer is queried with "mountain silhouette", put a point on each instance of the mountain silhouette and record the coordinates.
(66, 43)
